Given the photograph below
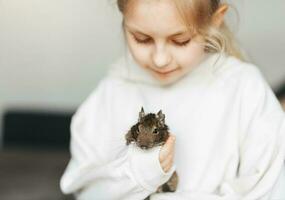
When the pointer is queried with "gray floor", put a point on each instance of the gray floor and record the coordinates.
(32, 174)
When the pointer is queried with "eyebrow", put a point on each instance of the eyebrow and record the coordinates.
(140, 32)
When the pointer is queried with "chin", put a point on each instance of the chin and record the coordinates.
(167, 80)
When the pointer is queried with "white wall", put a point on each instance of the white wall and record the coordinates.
(262, 34)
(53, 52)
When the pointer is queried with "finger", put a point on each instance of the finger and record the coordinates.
(167, 148)
(165, 152)
(167, 164)
(170, 144)
(167, 161)
(171, 140)
(167, 157)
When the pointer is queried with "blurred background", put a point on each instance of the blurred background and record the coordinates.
(52, 55)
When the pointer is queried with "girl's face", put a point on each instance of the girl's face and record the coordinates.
(159, 41)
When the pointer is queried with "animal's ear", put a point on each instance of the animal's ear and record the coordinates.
(141, 114)
(161, 117)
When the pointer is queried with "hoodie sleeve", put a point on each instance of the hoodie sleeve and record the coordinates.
(260, 175)
(98, 169)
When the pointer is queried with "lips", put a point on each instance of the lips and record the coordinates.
(166, 72)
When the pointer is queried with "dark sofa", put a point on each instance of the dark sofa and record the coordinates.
(34, 154)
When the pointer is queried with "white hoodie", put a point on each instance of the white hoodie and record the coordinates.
(229, 128)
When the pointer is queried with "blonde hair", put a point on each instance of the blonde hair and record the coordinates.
(197, 16)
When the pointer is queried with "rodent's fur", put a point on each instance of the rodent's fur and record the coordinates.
(148, 132)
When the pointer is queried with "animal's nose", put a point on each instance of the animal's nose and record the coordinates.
(143, 146)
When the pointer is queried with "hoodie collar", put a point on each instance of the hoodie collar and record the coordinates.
(126, 67)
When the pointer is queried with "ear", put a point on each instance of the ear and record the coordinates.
(141, 114)
(219, 15)
(161, 117)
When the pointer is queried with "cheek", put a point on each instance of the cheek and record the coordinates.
(139, 53)
(191, 56)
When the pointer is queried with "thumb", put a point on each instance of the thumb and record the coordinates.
(171, 140)
(167, 148)
(171, 137)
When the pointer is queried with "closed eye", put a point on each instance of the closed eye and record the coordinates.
(149, 41)
(182, 43)
(145, 41)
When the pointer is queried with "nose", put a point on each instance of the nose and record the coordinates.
(161, 58)
(143, 146)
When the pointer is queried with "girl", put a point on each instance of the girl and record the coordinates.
(227, 123)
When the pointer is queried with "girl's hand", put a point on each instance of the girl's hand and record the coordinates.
(166, 154)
